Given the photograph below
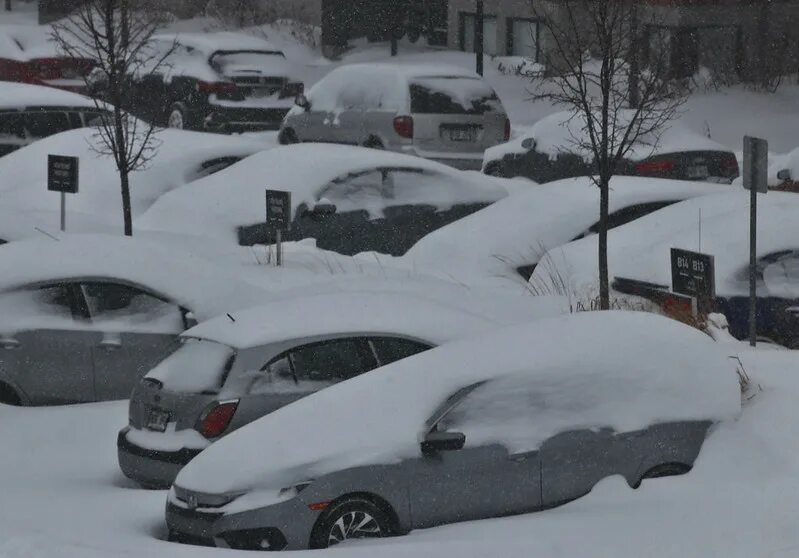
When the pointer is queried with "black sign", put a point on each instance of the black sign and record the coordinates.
(693, 274)
(62, 174)
(278, 210)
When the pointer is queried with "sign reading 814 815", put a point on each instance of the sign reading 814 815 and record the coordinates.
(693, 274)
(278, 210)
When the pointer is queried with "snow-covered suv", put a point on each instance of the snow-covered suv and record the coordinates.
(219, 82)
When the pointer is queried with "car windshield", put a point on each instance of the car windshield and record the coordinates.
(255, 60)
(198, 365)
(452, 95)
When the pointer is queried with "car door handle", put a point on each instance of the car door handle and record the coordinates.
(110, 345)
(10, 343)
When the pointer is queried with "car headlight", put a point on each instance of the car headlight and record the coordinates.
(292, 491)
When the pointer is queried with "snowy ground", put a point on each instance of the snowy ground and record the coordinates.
(63, 495)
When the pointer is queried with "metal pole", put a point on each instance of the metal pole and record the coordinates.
(63, 211)
(278, 247)
(753, 266)
(478, 37)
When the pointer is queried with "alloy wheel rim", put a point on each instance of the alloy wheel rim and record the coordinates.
(353, 525)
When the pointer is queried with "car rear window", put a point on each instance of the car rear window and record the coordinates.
(452, 95)
(198, 365)
(225, 62)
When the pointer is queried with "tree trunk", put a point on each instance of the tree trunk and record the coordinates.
(604, 202)
(635, 49)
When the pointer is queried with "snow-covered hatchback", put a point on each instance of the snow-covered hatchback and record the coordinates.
(217, 82)
(234, 369)
(443, 112)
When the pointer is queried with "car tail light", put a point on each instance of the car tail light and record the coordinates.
(730, 164)
(507, 129)
(403, 125)
(216, 418)
(655, 167)
(216, 87)
(293, 89)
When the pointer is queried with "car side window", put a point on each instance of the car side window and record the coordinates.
(11, 126)
(118, 305)
(392, 349)
(351, 96)
(503, 411)
(48, 306)
(41, 124)
(315, 366)
(627, 215)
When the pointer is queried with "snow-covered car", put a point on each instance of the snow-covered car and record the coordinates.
(181, 158)
(553, 149)
(217, 82)
(31, 112)
(506, 240)
(28, 54)
(443, 113)
(517, 420)
(350, 199)
(639, 259)
(228, 373)
(83, 318)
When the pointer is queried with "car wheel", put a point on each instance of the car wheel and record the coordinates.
(8, 396)
(178, 118)
(374, 143)
(287, 136)
(354, 518)
(664, 470)
(494, 169)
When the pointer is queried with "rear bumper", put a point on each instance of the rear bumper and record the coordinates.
(151, 467)
(233, 119)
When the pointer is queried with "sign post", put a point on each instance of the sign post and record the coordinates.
(693, 274)
(278, 218)
(755, 179)
(62, 176)
(479, 30)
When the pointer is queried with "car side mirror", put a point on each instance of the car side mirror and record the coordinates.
(528, 143)
(443, 441)
(303, 102)
(323, 209)
(784, 175)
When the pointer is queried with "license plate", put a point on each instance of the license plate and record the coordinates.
(698, 171)
(461, 134)
(157, 420)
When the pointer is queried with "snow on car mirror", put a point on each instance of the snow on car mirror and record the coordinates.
(443, 441)
(302, 101)
(528, 143)
(323, 208)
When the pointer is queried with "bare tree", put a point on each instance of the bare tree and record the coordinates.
(114, 38)
(618, 101)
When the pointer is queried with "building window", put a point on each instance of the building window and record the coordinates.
(523, 38)
(683, 49)
(467, 24)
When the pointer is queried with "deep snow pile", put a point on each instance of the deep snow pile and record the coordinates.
(178, 160)
(641, 249)
(651, 375)
(488, 246)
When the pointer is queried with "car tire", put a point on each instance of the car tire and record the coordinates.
(494, 169)
(664, 470)
(373, 143)
(351, 518)
(8, 396)
(178, 117)
(287, 136)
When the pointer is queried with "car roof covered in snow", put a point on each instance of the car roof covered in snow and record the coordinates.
(491, 243)
(414, 315)
(410, 70)
(641, 249)
(16, 96)
(218, 41)
(220, 203)
(178, 160)
(191, 281)
(559, 132)
(658, 370)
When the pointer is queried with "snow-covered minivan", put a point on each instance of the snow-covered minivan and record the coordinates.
(439, 112)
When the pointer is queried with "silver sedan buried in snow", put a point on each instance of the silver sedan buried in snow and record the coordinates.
(232, 370)
(515, 421)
